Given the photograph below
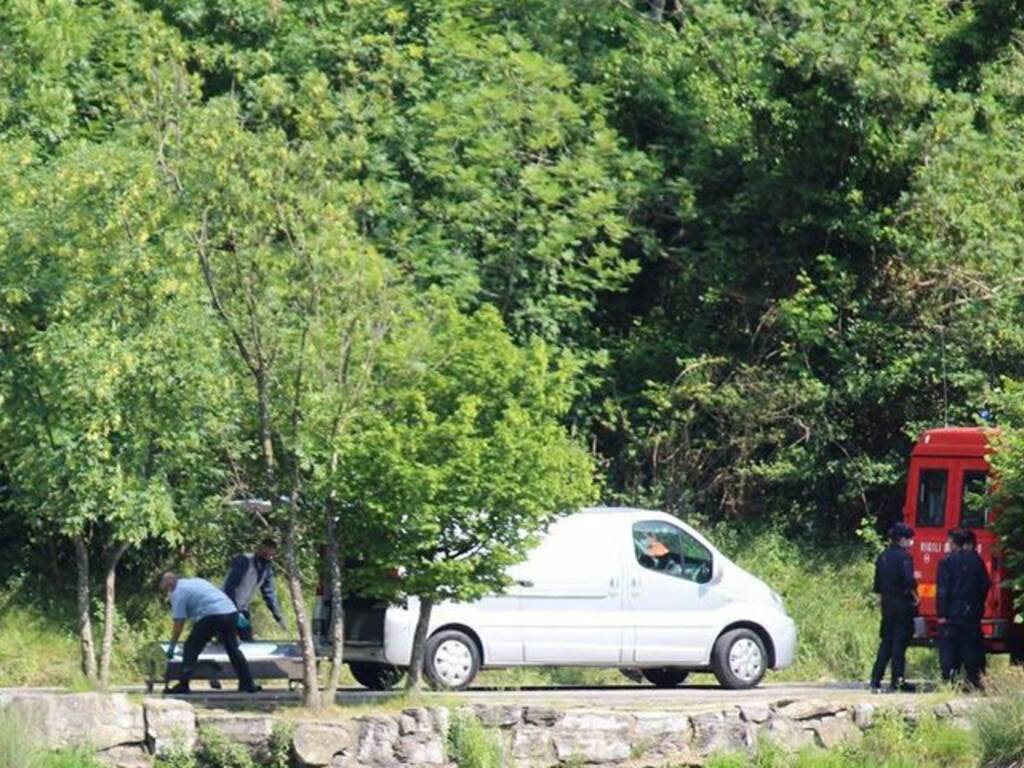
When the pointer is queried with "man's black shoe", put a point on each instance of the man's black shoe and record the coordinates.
(215, 684)
(180, 688)
(250, 689)
(876, 688)
(904, 687)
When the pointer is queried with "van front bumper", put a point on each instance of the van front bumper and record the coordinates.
(784, 636)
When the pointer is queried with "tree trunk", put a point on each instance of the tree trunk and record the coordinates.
(337, 616)
(109, 612)
(413, 682)
(84, 609)
(310, 681)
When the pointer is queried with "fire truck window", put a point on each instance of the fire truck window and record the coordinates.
(931, 498)
(974, 503)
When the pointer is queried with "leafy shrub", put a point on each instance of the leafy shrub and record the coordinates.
(16, 748)
(471, 745)
(216, 751)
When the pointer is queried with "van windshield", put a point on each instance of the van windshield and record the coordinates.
(668, 549)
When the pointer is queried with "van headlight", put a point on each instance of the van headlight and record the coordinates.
(777, 599)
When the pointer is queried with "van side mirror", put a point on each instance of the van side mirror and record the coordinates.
(717, 571)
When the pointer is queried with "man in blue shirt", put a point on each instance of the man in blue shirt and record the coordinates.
(212, 615)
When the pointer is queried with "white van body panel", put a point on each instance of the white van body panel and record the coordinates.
(582, 598)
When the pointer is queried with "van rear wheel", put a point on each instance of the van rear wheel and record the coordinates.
(374, 675)
(739, 659)
(452, 660)
(665, 677)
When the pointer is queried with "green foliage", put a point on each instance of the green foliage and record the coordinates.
(463, 458)
(1000, 721)
(18, 750)
(471, 745)
(217, 751)
(890, 743)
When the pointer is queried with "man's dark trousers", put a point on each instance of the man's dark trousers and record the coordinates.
(224, 627)
(950, 658)
(894, 636)
(969, 644)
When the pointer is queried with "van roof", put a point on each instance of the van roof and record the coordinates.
(953, 441)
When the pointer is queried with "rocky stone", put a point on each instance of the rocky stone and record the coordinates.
(593, 737)
(787, 734)
(722, 732)
(662, 726)
(531, 745)
(126, 756)
(863, 715)
(541, 716)
(441, 720)
(416, 720)
(807, 709)
(377, 739)
(170, 724)
(64, 721)
(835, 730)
(420, 750)
(960, 707)
(316, 744)
(755, 712)
(252, 731)
(500, 716)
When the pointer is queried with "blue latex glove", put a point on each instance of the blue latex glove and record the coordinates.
(170, 651)
(241, 622)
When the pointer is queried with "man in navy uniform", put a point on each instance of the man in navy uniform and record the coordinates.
(897, 588)
(247, 574)
(961, 590)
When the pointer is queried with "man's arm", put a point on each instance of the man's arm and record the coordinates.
(910, 583)
(176, 628)
(270, 596)
(942, 589)
(235, 575)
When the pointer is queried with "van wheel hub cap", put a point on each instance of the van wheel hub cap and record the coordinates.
(453, 662)
(745, 659)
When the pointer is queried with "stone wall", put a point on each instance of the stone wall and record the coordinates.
(127, 733)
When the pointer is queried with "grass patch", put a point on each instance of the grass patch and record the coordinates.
(18, 750)
(999, 722)
(471, 745)
(891, 743)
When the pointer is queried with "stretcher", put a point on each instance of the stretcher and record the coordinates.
(267, 660)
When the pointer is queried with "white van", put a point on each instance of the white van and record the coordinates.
(626, 588)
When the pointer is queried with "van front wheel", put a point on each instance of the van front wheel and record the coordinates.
(665, 677)
(739, 659)
(452, 660)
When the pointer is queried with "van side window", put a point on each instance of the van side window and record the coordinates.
(667, 549)
(974, 501)
(931, 498)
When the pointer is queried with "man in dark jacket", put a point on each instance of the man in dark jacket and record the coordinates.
(949, 653)
(897, 588)
(963, 585)
(247, 574)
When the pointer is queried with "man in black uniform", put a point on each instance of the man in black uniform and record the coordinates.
(962, 587)
(949, 653)
(895, 584)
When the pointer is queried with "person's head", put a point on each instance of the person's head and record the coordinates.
(902, 535)
(958, 538)
(970, 540)
(167, 582)
(267, 550)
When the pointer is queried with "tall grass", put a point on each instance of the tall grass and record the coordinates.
(18, 750)
(999, 722)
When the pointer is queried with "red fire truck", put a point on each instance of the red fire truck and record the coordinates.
(947, 467)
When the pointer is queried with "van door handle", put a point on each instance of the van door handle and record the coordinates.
(524, 582)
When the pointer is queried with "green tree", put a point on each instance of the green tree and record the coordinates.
(463, 461)
(113, 394)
